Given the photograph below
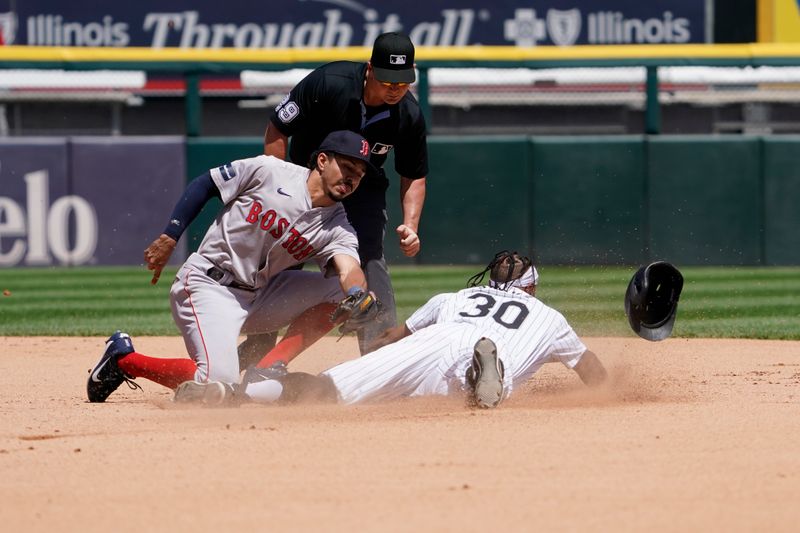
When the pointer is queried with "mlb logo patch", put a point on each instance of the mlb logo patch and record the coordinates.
(397, 59)
(381, 149)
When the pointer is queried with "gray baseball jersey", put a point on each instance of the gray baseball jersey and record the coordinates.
(435, 357)
(266, 225)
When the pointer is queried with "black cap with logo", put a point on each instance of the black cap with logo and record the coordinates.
(393, 58)
(346, 143)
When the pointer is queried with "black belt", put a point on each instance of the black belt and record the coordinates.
(217, 274)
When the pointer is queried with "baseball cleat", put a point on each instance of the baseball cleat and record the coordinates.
(106, 375)
(255, 374)
(486, 374)
(210, 393)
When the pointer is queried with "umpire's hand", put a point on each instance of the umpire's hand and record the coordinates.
(157, 254)
(409, 240)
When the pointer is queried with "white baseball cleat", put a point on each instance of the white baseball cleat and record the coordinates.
(486, 374)
(209, 393)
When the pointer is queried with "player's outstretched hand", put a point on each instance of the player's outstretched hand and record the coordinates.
(409, 240)
(157, 254)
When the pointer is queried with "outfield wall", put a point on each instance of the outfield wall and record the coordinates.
(694, 200)
(697, 200)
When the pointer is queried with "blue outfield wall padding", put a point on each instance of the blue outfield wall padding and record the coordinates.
(86, 200)
(33, 174)
(133, 183)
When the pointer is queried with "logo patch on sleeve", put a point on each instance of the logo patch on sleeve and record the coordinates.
(288, 112)
(381, 149)
(227, 172)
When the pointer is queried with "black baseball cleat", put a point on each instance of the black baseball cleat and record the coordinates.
(106, 375)
(254, 374)
(486, 375)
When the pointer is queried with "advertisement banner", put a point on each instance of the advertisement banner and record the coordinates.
(86, 201)
(33, 181)
(337, 23)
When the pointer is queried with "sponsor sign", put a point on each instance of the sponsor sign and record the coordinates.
(332, 23)
(86, 201)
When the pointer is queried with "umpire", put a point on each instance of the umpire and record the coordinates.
(372, 99)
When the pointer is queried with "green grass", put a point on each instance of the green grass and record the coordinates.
(740, 302)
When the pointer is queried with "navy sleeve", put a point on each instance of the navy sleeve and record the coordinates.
(199, 191)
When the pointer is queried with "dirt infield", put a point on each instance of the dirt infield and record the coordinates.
(690, 435)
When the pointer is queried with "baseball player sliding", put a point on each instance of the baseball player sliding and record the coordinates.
(485, 340)
(276, 215)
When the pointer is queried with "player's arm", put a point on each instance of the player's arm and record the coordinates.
(421, 318)
(388, 337)
(293, 113)
(350, 274)
(412, 198)
(199, 191)
(411, 163)
(275, 142)
(590, 369)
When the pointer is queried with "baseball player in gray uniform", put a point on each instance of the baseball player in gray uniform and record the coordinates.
(276, 214)
(483, 340)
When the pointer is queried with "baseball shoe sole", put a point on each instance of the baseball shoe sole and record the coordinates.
(106, 376)
(487, 374)
(210, 393)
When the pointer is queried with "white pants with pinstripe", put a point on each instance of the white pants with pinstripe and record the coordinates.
(432, 361)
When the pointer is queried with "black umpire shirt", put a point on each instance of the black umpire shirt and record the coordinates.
(331, 98)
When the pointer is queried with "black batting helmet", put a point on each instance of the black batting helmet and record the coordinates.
(651, 301)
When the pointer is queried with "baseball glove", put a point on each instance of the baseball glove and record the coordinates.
(356, 310)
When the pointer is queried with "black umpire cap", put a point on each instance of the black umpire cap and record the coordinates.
(651, 301)
(393, 58)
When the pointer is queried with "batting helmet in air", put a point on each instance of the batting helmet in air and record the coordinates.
(651, 301)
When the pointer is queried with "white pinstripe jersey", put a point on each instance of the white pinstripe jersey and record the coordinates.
(527, 332)
(435, 357)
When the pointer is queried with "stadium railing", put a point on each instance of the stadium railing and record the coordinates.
(645, 77)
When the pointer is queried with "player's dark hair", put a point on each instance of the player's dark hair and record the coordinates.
(505, 268)
(312, 161)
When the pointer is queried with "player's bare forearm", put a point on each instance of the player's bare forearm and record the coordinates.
(350, 273)
(590, 369)
(412, 197)
(388, 337)
(157, 254)
(275, 142)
